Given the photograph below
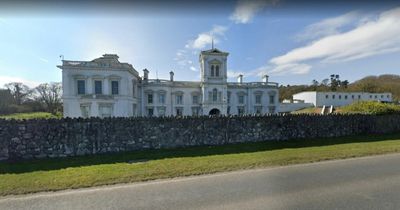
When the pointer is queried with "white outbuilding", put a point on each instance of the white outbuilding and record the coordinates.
(320, 99)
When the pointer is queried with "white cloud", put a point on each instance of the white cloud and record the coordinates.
(192, 68)
(206, 38)
(43, 60)
(234, 74)
(7, 79)
(329, 26)
(373, 37)
(245, 10)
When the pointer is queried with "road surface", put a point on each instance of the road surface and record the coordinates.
(361, 183)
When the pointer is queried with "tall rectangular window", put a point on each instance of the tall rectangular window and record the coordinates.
(150, 112)
(81, 87)
(114, 88)
(161, 98)
(271, 99)
(195, 111)
(258, 109)
(85, 111)
(161, 111)
(258, 99)
(240, 110)
(149, 98)
(271, 109)
(98, 87)
(195, 99)
(241, 99)
(179, 99)
(179, 111)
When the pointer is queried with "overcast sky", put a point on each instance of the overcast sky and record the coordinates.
(294, 42)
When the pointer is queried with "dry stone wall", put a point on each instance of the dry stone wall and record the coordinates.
(41, 138)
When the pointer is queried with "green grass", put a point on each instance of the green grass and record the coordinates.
(370, 107)
(310, 110)
(31, 115)
(78, 172)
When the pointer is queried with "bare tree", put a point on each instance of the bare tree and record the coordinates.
(50, 95)
(19, 91)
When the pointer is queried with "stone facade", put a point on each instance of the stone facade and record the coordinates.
(30, 139)
(105, 87)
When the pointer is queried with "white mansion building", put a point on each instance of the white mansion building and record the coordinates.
(105, 87)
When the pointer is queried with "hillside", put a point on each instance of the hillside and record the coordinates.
(373, 84)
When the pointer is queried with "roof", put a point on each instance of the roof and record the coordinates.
(213, 50)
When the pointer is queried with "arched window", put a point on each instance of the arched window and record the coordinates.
(215, 94)
(217, 70)
(212, 70)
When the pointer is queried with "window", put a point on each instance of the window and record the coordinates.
(105, 110)
(381, 96)
(340, 96)
(150, 112)
(212, 70)
(85, 110)
(326, 96)
(228, 110)
(388, 96)
(258, 109)
(150, 98)
(133, 109)
(241, 99)
(352, 96)
(370, 96)
(114, 88)
(217, 71)
(215, 95)
(271, 99)
(229, 97)
(258, 99)
(161, 98)
(133, 89)
(179, 99)
(359, 96)
(161, 111)
(376, 96)
(333, 96)
(271, 109)
(240, 110)
(179, 111)
(195, 99)
(98, 87)
(81, 87)
(345, 97)
(195, 111)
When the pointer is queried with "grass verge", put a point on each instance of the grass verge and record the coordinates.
(30, 115)
(78, 172)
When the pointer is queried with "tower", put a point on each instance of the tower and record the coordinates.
(213, 70)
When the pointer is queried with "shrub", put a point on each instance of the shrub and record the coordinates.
(371, 107)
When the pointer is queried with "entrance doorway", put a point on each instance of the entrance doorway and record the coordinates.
(214, 112)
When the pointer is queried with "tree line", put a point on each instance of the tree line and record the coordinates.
(17, 97)
(373, 84)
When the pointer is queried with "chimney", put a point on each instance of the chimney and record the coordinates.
(240, 78)
(145, 74)
(171, 76)
(265, 78)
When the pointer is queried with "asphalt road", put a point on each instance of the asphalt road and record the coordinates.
(362, 183)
